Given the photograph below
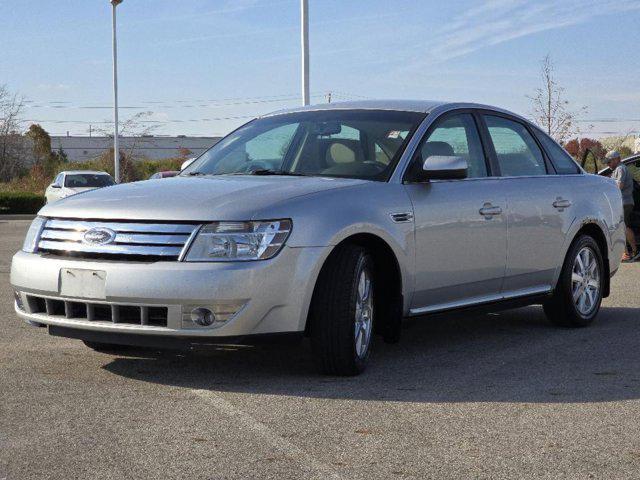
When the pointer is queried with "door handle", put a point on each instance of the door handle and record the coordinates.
(489, 210)
(561, 203)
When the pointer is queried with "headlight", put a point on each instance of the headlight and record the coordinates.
(30, 244)
(239, 241)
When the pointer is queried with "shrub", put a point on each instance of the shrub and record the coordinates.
(20, 202)
(38, 177)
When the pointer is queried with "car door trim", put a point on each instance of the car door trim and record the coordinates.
(471, 302)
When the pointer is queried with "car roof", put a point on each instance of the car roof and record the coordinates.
(91, 172)
(420, 106)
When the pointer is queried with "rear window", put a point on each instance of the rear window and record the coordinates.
(518, 153)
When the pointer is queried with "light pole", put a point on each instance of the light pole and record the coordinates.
(116, 150)
(304, 18)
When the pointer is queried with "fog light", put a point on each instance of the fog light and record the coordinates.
(18, 298)
(202, 316)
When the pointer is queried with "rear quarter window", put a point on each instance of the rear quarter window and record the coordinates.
(562, 161)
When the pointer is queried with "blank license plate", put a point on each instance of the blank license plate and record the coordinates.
(83, 283)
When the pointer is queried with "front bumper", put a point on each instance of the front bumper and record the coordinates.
(273, 295)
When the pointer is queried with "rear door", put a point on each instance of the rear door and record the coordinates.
(539, 206)
(460, 225)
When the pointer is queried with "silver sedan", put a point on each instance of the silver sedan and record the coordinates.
(333, 222)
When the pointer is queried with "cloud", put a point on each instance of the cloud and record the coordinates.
(53, 87)
(498, 21)
(228, 8)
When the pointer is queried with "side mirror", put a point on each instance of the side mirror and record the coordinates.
(439, 167)
(56, 185)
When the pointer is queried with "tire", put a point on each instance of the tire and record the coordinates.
(562, 309)
(104, 347)
(342, 312)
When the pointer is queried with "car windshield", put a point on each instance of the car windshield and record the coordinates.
(362, 144)
(87, 180)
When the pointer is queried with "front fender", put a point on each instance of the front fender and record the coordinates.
(325, 219)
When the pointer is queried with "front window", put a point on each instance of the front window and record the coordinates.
(87, 180)
(363, 144)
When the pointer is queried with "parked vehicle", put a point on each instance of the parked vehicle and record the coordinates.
(167, 174)
(76, 181)
(333, 222)
(187, 162)
(633, 164)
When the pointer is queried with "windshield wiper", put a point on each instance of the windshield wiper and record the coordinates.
(195, 174)
(268, 171)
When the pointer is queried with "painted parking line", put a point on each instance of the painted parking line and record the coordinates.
(275, 441)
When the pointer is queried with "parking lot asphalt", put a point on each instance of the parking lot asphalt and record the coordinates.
(473, 396)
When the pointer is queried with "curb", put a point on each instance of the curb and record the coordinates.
(18, 217)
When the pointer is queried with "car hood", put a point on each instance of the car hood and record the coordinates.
(74, 190)
(191, 198)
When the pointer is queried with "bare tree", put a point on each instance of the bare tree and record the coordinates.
(139, 129)
(550, 109)
(13, 148)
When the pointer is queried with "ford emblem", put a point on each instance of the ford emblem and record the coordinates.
(99, 236)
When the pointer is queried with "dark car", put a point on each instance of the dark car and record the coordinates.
(633, 164)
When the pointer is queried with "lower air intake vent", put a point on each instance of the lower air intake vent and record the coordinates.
(99, 312)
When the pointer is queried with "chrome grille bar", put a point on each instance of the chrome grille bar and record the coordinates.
(156, 251)
(165, 240)
(76, 236)
(80, 226)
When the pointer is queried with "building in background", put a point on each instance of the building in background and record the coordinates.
(82, 149)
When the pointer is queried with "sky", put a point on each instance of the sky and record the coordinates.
(203, 67)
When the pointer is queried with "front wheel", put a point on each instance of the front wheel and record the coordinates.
(578, 295)
(342, 312)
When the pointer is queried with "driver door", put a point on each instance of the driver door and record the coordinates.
(460, 225)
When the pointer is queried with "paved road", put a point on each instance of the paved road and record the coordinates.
(495, 396)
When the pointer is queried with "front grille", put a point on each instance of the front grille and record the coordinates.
(130, 240)
(99, 312)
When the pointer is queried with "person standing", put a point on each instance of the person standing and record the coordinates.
(624, 179)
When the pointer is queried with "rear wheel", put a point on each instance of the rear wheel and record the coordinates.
(342, 312)
(576, 301)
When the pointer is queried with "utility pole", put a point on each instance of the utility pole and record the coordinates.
(116, 150)
(304, 18)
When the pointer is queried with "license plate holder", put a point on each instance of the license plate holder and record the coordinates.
(80, 283)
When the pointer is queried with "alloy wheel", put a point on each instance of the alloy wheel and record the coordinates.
(364, 314)
(585, 281)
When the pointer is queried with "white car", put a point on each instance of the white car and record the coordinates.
(72, 182)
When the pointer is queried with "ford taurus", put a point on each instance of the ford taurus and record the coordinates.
(333, 222)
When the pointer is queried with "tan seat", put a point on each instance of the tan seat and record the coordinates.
(339, 153)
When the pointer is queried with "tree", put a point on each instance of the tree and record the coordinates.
(41, 143)
(550, 110)
(139, 131)
(13, 152)
(62, 155)
(47, 160)
(587, 151)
